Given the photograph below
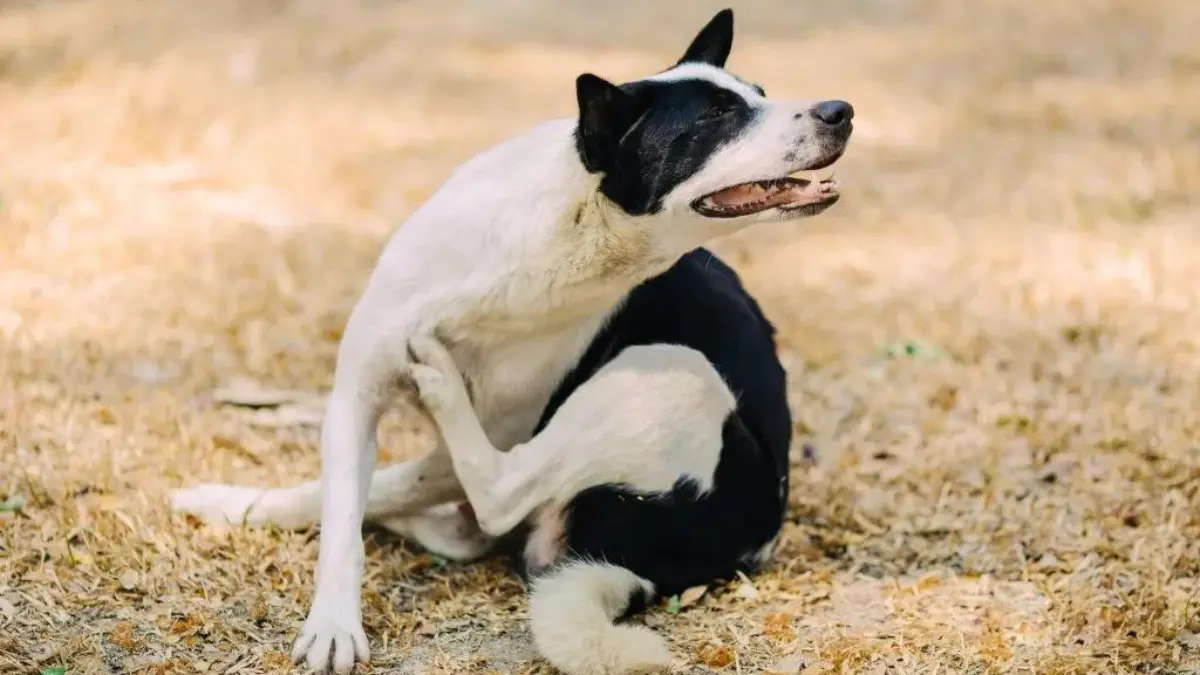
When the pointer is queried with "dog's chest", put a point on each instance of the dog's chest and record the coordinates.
(512, 380)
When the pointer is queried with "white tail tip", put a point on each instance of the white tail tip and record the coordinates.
(572, 610)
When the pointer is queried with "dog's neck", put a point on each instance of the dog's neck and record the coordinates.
(520, 241)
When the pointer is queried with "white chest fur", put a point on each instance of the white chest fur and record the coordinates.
(512, 381)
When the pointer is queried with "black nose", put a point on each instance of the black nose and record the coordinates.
(833, 113)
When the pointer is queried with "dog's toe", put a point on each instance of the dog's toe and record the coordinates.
(428, 351)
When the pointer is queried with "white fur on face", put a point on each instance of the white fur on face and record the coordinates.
(783, 139)
(702, 71)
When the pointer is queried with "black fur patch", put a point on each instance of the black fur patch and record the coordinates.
(680, 539)
(682, 123)
(647, 137)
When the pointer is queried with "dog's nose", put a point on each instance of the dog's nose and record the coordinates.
(833, 113)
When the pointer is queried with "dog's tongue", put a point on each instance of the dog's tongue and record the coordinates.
(758, 194)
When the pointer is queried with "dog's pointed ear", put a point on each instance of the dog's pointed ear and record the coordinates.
(605, 114)
(713, 43)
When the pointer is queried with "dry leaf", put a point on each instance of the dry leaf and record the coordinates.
(258, 607)
(122, 636)
(247, 393)
(804, 548)
(7, 609)
(272, 407)
(927, 582)
(691, 596)
(746, 590)
(778, 627)
(187, 625)
(945, 398)
(716, 656)
(307, 414)
(234, 445)
(276, 660)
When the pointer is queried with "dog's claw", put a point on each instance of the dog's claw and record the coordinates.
(331, 642)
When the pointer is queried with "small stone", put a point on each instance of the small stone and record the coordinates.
(42, 653)
(128, 580)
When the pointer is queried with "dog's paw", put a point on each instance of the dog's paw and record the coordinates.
(429, 351)
(332, 638)
(437, 378)
(434, 390)
(217, 503)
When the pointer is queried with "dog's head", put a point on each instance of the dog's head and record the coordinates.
(696, 140)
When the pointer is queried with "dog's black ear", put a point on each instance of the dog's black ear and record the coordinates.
(605, 114)
(713, 43)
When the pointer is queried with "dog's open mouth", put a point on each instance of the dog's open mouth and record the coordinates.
(787, 194)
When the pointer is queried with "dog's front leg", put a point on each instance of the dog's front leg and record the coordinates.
(368, 364)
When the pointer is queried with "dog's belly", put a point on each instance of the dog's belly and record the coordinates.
(512, 378)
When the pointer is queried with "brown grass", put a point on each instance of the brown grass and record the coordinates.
(193, 192)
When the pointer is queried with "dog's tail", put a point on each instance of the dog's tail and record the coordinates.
(572, 610)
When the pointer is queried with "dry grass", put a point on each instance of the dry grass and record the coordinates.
(193, 192)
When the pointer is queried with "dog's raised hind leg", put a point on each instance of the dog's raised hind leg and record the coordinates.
(653, 415)
(500, 496)
(412, 499)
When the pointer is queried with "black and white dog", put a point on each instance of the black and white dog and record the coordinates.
(601, 383)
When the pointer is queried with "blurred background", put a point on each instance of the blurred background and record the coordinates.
(992, 340)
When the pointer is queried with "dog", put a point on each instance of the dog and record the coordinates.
(602, 383)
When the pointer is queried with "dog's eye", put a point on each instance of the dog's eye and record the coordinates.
(716, 112)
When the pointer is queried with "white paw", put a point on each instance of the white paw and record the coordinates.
(217, 503)
(433, 389)
(332, 637)
(437, 378)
